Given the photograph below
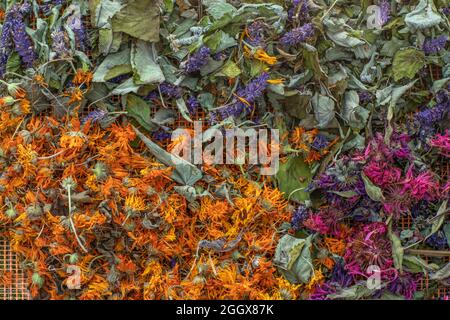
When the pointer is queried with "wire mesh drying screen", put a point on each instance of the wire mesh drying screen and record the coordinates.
(13, 281)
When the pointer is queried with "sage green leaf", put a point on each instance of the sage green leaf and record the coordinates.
(185, 172)
(438, 84)
(125, 87)
(105, 10)
(439, 219)
(392, 46)
(335, 30)
(397, 249)
(441, 274)
(230, 70)
(206, 100)
(293, 177)
(164, 117)
(293, 258)
(145, 69)
(190, 193)
(414, 264)
(423, 16)
(218, 8)
(446, 229)
(121, 58)
(323, 109)
(105, 39)
(303, 268)
(312, 62)
(398, 92)
(140, 111)
(117, 71)
(139, 19)
(13, 63)
(355, 115)
(372, 190)
(407, 63)
(183, 109)
(345, 194)
(219, 41)
(355, 292)
(210, 67)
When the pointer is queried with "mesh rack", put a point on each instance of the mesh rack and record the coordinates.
(13, 281)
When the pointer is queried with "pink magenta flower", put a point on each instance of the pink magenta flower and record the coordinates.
(316, 223)
(442, 142)
(382, 174)
(422, 187)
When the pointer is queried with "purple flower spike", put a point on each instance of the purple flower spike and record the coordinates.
(432, 46)
(198, 60)
(14, 36)
(94, 116)
(298, 216)
(297, 35)
(385, 11)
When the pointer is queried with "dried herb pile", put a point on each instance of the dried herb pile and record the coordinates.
(91, 92)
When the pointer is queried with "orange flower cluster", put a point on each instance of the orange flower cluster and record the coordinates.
(94, 218)
(302, 140)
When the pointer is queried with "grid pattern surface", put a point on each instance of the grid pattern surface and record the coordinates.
(13, 282)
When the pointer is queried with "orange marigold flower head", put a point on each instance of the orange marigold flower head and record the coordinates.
(135, 203)
(73, 139)
(82, 77)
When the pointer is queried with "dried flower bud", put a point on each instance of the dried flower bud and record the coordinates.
(7, 101)
(34, 211)
(26, 136)
(37, 280)
(73, 258)
(100, 171)
(199, 280)
(14, 88)
(11, 213)
(69, 183)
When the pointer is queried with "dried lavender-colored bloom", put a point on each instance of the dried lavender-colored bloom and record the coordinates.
(422, 208)
(23, 44)
(364, 97)
(14, 36)
(297, 35)
(161, 135)
(76, 25)
(431, 116)
(385, 11)
(60, 43)
(435, 45)
(198, 60)
(298, 216)
(340, 276)
(256, 33)
(255, 88)
(250, 93)
(438, 241)
(5, 43)
(300, 10)
(171, 91)
(446, 11)
(405, 285)
(192, 104)
(319, 142)
(94, 116)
